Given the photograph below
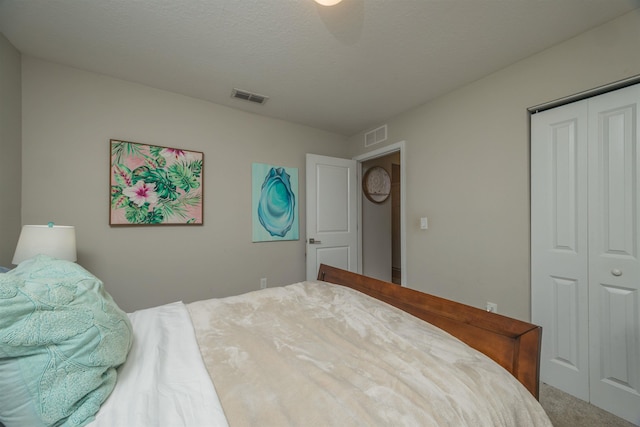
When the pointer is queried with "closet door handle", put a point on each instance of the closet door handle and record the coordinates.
(616, 272)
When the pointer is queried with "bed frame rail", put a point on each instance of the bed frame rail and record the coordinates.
(512, 343)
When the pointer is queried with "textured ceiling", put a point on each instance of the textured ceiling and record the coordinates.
(343, 69)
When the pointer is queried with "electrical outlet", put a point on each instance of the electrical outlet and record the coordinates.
(263, 283)
(492, 307)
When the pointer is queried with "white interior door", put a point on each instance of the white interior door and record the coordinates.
(559, 247)
(332, 214)
(614, 243)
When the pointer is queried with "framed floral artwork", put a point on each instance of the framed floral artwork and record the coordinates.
(274, 192)
(154, 185)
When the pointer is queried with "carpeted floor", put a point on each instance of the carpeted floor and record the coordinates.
(565, 410)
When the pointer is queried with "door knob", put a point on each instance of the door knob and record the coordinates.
(616, 272)
(314, 241)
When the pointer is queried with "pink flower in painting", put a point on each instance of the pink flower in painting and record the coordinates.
(141, 193)
(172, 153)
(173, 156)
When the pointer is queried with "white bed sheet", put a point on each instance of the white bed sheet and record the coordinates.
(164, 381)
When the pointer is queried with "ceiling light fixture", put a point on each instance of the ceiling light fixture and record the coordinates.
(328, 2)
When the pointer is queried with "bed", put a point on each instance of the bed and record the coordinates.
(342, 350)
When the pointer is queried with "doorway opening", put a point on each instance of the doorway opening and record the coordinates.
(382, 235)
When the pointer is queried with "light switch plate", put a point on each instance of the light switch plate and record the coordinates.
(424, 224)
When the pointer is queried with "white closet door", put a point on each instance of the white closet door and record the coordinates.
(614, 245)
(559, 247)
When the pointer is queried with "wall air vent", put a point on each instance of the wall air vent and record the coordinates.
(375, 136)
(248, 96)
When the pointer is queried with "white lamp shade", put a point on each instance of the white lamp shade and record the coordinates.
(57, 241)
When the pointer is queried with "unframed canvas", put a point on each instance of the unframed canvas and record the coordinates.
(274, 203)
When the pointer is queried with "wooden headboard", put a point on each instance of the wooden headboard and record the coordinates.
(512, 343)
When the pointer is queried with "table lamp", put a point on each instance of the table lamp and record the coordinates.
(57, 241)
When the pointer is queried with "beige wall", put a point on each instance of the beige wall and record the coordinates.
(69, 117)
(467, 170)
(468, 167)
(10, 152)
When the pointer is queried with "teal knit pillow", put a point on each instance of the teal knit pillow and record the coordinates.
(61, 339)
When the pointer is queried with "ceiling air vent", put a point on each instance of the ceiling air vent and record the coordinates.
(375, 136)
(248, 96)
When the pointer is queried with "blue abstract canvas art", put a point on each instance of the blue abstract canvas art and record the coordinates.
(274, 202)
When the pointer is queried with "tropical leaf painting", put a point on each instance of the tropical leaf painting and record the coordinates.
(154, 185)
(274, 203)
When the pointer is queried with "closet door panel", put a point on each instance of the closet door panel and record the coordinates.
(614, 241)
(559, 246)
(618, 308)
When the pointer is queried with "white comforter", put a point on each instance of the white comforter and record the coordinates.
(163, 382)
(314, 354)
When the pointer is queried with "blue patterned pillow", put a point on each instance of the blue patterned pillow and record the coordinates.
(61, 339)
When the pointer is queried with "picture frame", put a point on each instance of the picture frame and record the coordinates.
(155, 185)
